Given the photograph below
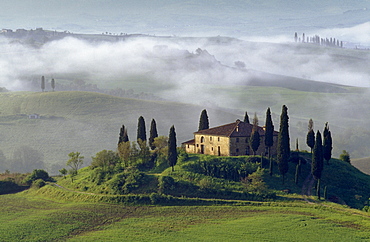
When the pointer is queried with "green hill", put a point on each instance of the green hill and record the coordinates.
(82, 121)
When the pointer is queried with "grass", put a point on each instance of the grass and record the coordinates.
(30, 217)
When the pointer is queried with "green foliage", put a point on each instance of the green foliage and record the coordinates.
(75, 160)
(38, 183)
(36, 175)
(123, 137)
(172, 148)
(327, 143)
(105, 159)
(203, 120)
(254, 141)
(127, 181)
(166, 184)
(223, 167)
(255, 184)
(345, 157)
(63, 171)
(310, 139)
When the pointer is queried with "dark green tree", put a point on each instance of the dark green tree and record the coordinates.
(141, 130)
(172, 148)
(53, 84)
(246, 118)
(269, 132)
(203, 121)
(283, 146)
(327, 144)
(254, 141)
(43, 83)
(310, 138)
(345, 157)
(317, 164)
(122, 133)
(153, 134)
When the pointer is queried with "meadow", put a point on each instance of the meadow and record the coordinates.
(31, 216)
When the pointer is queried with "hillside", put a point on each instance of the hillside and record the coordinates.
(362, 164)
(84, 122)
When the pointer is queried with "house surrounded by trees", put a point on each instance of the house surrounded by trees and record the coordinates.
(228, 140)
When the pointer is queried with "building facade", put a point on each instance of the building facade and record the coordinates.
(228, 140)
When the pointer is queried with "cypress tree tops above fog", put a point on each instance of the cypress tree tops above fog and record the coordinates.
(203, 121)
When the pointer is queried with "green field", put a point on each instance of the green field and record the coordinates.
(30, 217)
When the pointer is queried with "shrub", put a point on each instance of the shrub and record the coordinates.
(37, 174)
(166, 184)
(38, 183)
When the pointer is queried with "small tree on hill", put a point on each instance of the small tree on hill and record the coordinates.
(141, 130)
(203, 121)
(283, 147)
(345, 157)
(310, 139)
(172, 148)
(123, 137)
(75, 161)
(153, 134)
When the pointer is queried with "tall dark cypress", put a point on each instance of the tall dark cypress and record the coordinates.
(254, 141)
(141, 130)
(153, 134)
(327, 143)
(283, 147)
(123, 137)
(310, 138)
(53, 84)
(246, 118)
(269, 132)
(172, 151)
(317, 157)
(203, 121)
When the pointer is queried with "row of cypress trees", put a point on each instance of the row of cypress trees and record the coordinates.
(153, 134)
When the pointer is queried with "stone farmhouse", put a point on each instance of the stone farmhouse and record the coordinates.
(228, 140)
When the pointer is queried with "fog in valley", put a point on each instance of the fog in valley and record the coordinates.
(214, 70)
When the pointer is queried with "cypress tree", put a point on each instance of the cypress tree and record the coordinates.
(203, 121)
(310, 138)
(246, 118)
(153, 134)
(141, 131)
(42, 83)
(317, 157)
(123, 137)
(269, 132)
(327, 144)
(172, 151)
(283, 147)
(53, 84)
(254, 141)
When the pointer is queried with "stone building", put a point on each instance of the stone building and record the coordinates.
(228, 140)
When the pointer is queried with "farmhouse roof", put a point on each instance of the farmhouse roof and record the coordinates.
(235, 129)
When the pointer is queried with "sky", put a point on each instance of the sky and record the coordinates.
(236, 18)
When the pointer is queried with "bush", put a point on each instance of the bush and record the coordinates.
(166, 184)
(35, 175)
(38, 183)
(127, 181)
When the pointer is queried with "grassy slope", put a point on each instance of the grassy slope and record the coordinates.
(32, 217)
(85, 122)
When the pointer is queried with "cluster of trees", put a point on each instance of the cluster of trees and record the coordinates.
(137, 153)
(318, 40)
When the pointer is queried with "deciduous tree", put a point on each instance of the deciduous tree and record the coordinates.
(75, 161)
